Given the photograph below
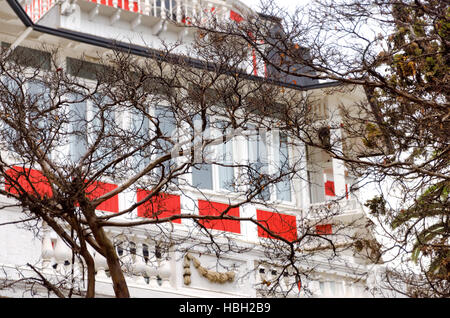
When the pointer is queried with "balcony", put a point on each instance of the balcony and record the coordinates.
(180, 273)
(180, 11)
(334, 208)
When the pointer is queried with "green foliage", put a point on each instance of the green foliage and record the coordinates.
(377, 206)
(432, 209)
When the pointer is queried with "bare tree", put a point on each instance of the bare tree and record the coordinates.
(76, 137)
(396, 138)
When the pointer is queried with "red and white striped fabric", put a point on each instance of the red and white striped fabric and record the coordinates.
(37, 8)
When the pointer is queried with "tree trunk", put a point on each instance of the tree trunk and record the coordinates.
(118, 279)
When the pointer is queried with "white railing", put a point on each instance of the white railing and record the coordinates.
(149, 271)
(36, 9)
(139, 264)
(275, 280)
(333, 208)
(180, 11)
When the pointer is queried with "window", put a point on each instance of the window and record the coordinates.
(140, 132)
(102, 126)
(225, 158)
(29, 57)
(167, 124)
(217, 168)
(32, 118)
(284, 186)
(92, 121)
(84, 69)
(8, 134)
(78, 127)
(258, 159)
(202, 174)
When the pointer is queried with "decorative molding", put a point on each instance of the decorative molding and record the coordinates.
(115, 17)
(212, 276)
(94, 12)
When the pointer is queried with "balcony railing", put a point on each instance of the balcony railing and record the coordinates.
(333, 208)
(138, 263)
(181, 11)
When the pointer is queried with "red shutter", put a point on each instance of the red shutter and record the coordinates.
(329, 188)
(235, 16)
(161, 206)
(281, 224)
(324, 229)
(255, 64)
(97, 189)
(29, 179)
(214, 208)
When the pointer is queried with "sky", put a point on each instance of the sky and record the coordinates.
(283, 3)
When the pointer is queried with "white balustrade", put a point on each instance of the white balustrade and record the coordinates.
(332, 208)
(47, 248)
(165, 272)
(37, 9)
(152, 274)
(63, 255)
(100, 265)
(275, 279)
(139, 266)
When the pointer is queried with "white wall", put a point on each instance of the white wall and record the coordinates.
(18, 245)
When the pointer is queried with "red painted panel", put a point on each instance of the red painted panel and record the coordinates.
(255, 66)
(123, 4)
(32, 181)
(346, 191)
(235, 16)
(186, 20)
(162, 206)
(329, 188)
(324, 229)
(281, 224)
(214, 208)
(97, 189)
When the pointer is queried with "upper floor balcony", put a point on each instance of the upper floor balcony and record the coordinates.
(179, 11)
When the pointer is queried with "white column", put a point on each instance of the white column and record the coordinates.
(249, 229)
(338, 165)
(304, 199)
(47, 248)
(101, 265)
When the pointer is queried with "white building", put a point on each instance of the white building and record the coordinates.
(91, 28)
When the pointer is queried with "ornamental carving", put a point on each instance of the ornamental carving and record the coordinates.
(212, 276)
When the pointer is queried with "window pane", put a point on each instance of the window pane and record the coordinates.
(258, 160)
(103, 126)
(284, 186)
(78, 133)
(202, 176)
(201, 172)
(29, 57)
(167, 124)
(9, 135)
(140, 132)
(225, 157)
(39, 96)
